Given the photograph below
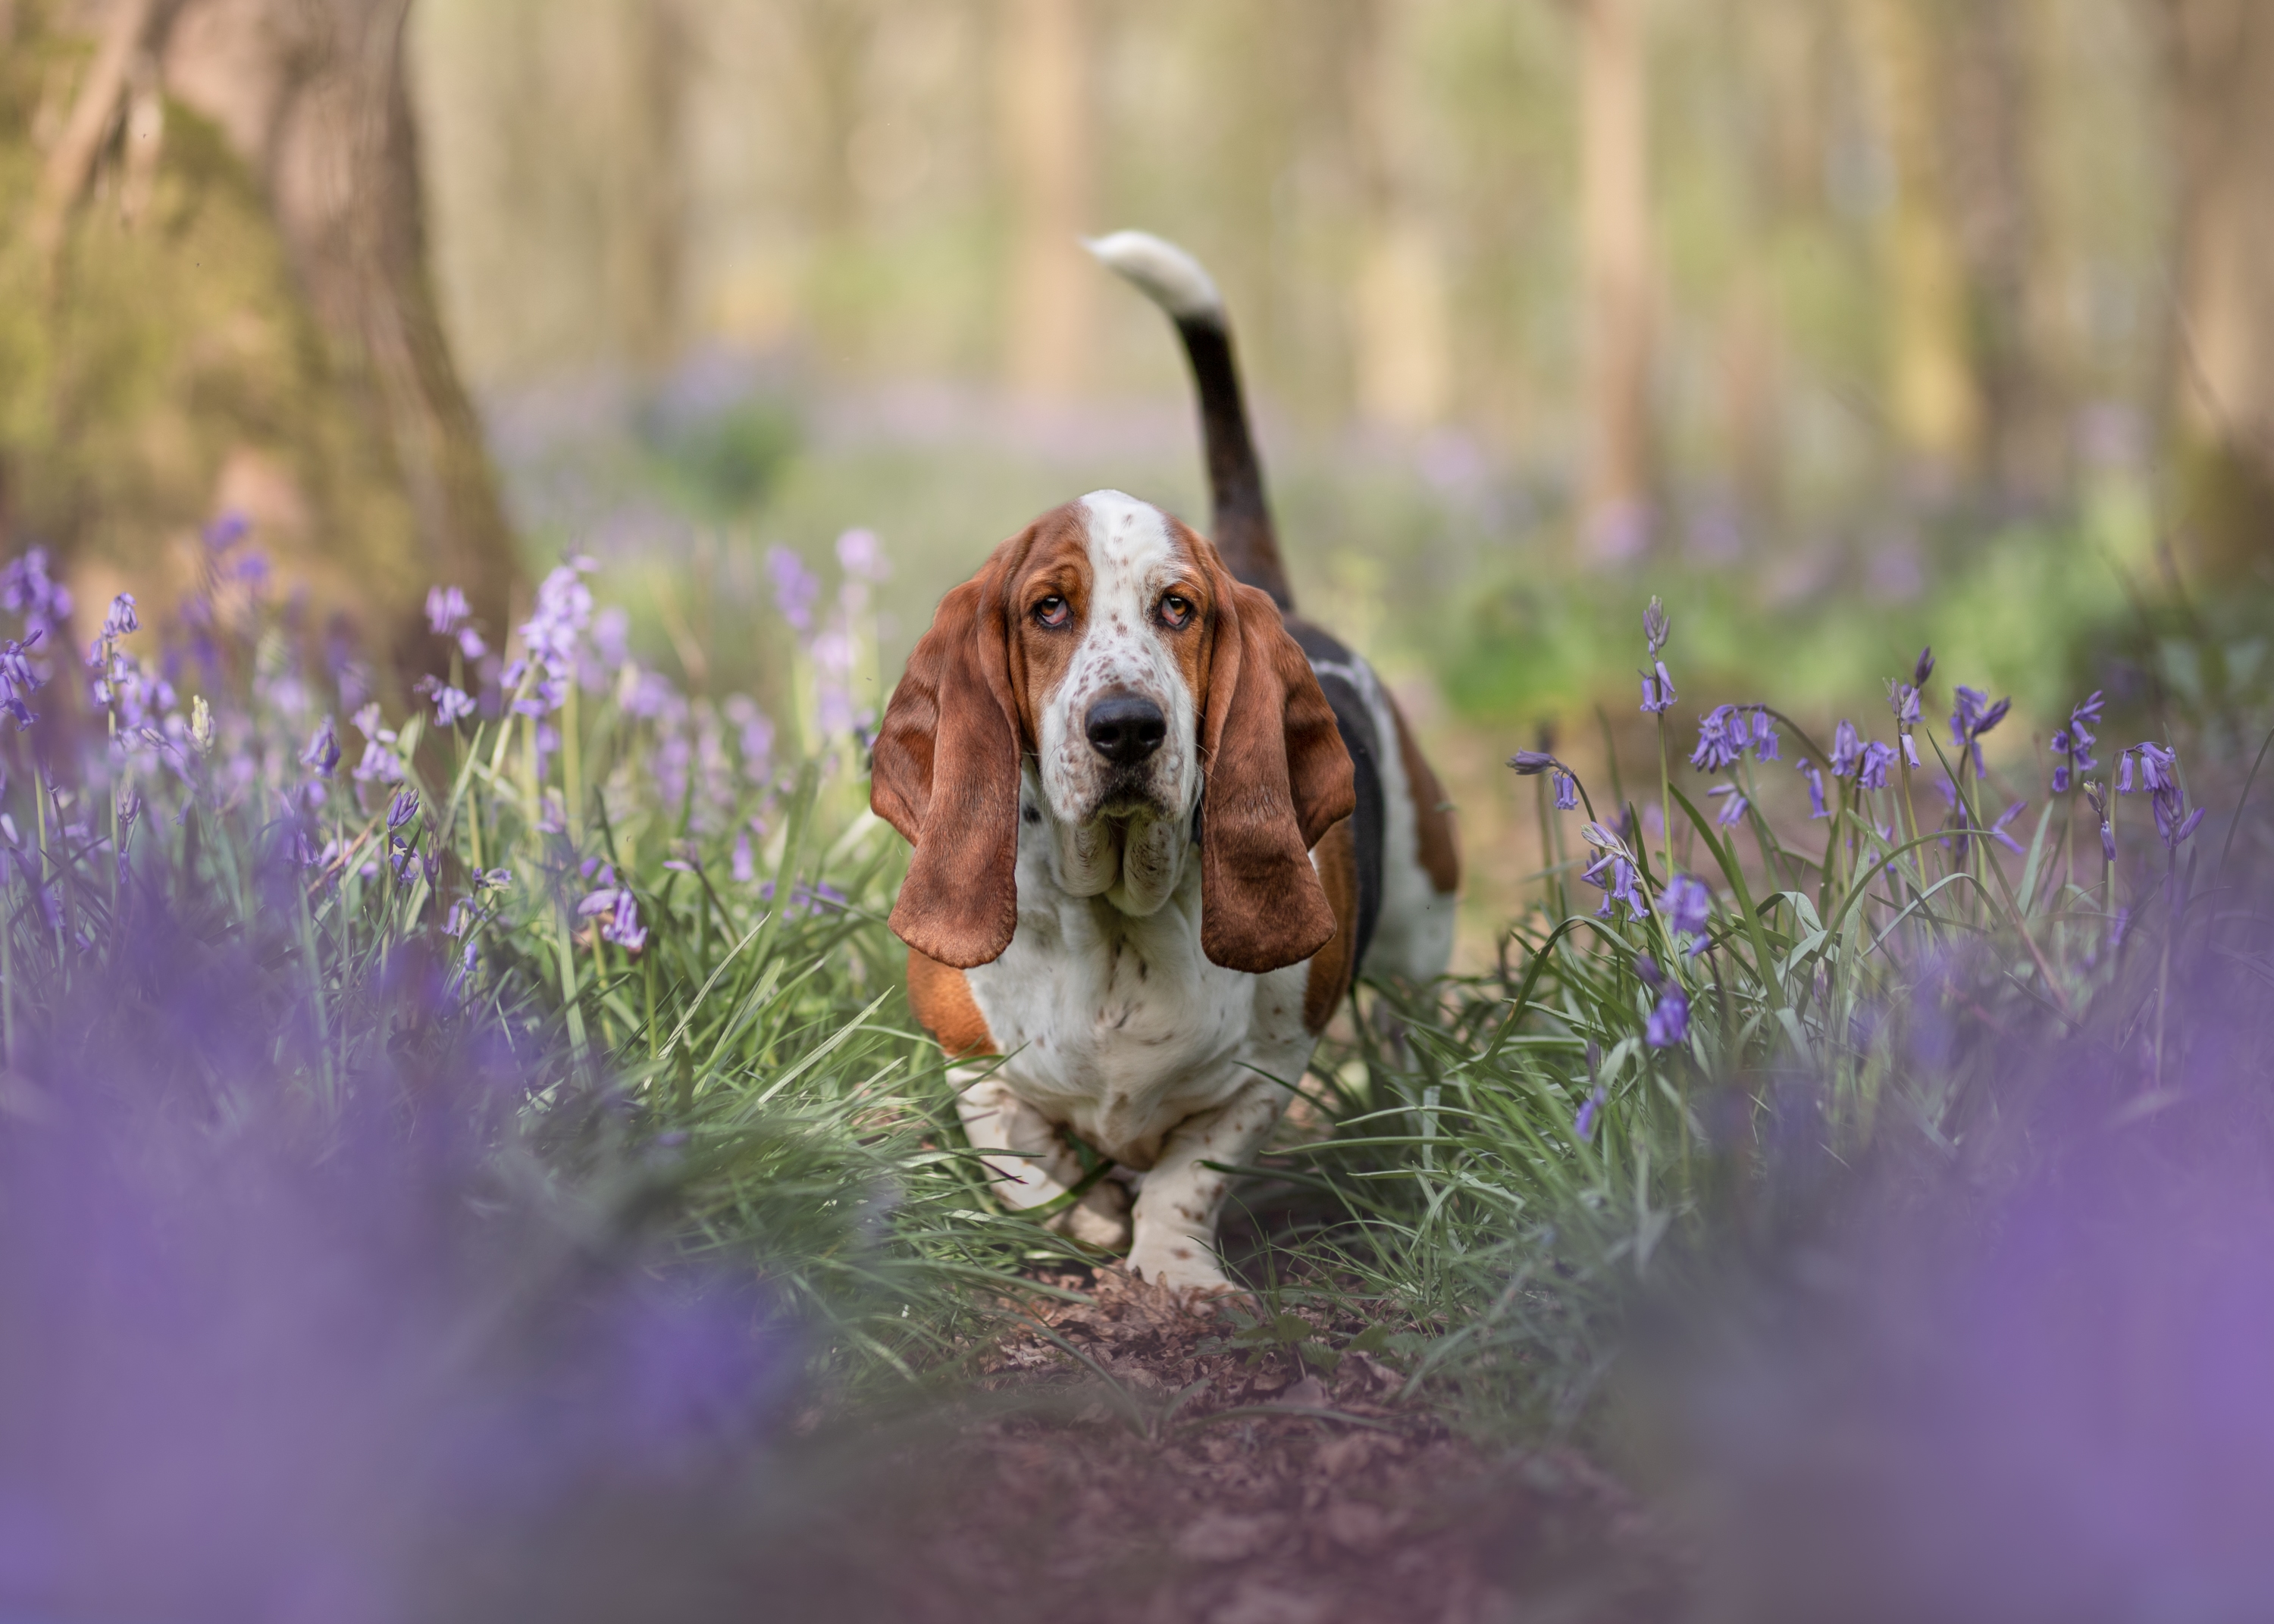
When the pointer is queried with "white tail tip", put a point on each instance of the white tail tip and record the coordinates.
(1164, 273)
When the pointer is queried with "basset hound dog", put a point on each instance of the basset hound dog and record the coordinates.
(1160, 824)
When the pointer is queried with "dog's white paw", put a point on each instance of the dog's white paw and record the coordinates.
(1178, 1261)
(1100, 1219)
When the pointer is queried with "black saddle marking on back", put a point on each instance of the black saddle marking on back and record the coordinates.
(1355, 723)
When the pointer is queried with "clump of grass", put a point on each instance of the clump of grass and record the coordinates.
(667, 910)
(1678, 1071)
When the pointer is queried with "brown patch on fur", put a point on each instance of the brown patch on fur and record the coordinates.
(946, 769)
(1437, 838)
(940, 994)
(1278, 779)
(1329, 974)
(1057, 563)
(1194, 643)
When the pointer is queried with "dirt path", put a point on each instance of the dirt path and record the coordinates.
(1149, 1465)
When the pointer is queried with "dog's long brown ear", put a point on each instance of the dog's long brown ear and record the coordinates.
(946, 776)
(1279, 778)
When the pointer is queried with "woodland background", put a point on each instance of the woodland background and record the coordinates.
(1846, 326)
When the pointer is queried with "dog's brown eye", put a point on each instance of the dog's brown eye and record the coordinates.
(1053, 610)
(1174, 611)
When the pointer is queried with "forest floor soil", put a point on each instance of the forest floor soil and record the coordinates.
(1128, 1460)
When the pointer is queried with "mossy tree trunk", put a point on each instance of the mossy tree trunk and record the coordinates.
(233, 308)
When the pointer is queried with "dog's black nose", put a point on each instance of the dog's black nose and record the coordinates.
(1126, 728)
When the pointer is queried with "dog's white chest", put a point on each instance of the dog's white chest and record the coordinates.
(1119, 1025)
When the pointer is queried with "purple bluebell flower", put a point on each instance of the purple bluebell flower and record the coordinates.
(1847, 750)
(2158, 768)
(1971, 716)
(1910, 749)
(1814, 776)
(323, 751)
(26, 589)
(452, 705)
(796, 587)
(1646, 969)
(554, 636)
(2100, 803)
(17, 678)
(120, 619)
(1764, 735)
(1655, 626)
(2073, 745)
(860, 557)
(1721, 738)
(1998, 829)
(404, 808)
(1872, 771)
(1669, 1022)
(2173, 822)
(226, 530)
(1614, 875)
(1924, 668)
(1583, 1125)
(1903, 700)
(618, 910)
(1658, 691)
(379, 765)
(446, 609)
(1733, 808)
(1689, 904)
(1531, 763)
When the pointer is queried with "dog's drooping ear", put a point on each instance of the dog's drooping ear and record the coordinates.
(946, 776)
(1279, 778)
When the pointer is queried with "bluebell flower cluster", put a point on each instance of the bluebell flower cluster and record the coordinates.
(553, 636)
(1688, 907)
(2158, 775)
(616, 909)
(1668, 1025)
(2074, 744)
(1727, 732)
(1531, 763)
(1613, 872)
(1971, 716)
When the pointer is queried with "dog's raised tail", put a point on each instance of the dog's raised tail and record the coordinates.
(1241, 526)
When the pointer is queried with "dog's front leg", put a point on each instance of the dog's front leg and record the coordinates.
(1039, 1166)
(1181, 1198)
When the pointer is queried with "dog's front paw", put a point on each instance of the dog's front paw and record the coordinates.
(1179, 1261)
(1100, 1219)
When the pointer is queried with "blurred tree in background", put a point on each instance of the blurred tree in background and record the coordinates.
(216, 298)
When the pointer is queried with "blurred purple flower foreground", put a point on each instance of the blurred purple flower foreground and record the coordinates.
(268, 1358)
(2025, 1380)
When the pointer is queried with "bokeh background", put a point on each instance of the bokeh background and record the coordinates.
(1844, 325)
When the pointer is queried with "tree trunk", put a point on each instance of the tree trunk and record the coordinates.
(311, 96)
(647, 254)
(1401, 351)
(2219, 61)
(1934, 407)
(1614, 232)
(1047, 96)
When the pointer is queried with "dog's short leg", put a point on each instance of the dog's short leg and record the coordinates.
(1180, 1200)
(1041, 1166)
